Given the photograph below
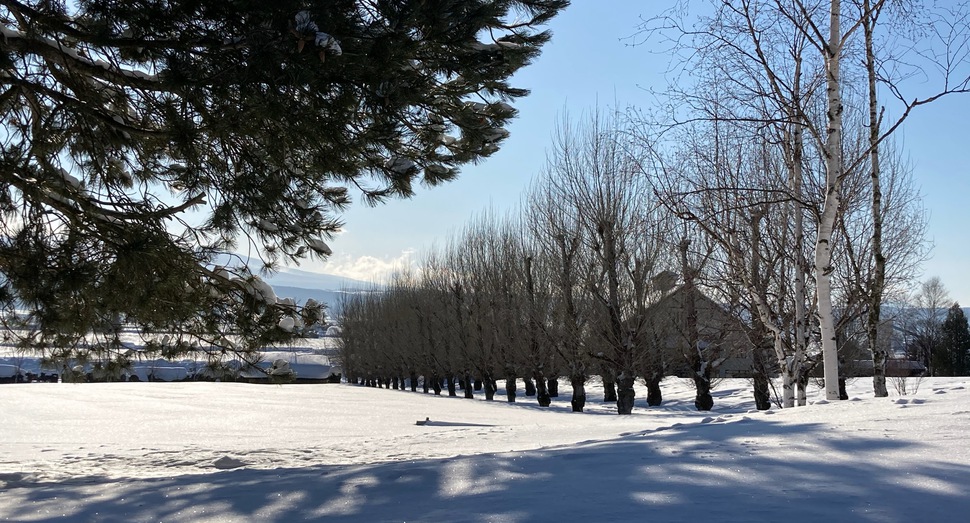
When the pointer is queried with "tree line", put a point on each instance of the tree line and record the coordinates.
(769, 178)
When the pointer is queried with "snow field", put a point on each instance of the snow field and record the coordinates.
(237, 452)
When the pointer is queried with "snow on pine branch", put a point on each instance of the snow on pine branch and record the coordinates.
(306, 28)
(11, 34)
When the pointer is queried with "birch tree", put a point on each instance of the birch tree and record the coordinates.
(829, 30)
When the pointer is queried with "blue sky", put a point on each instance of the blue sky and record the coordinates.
(589, 62)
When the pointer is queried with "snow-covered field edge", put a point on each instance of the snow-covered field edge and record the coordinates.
(237, 452)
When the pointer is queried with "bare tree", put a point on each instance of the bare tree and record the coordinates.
(926, 320)
(743, 36)
(554, 227)
(598, 170)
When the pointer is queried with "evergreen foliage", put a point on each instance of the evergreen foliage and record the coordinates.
(953, 353)
(142, 138)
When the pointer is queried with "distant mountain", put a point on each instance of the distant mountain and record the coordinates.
(303, 285)
(315, 280)
(324, 288)
(331, 298)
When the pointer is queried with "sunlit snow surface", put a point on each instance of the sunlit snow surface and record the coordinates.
(238, 452)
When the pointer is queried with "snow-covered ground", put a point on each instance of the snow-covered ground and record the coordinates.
(310, 358)
(237, 452)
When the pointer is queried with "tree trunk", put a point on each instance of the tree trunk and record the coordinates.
(510, 387)
(702, 399)
(801, 379)
(609, 389)
(436, 384)
(424, 384)
(762, 387)
(700, 367)
(413, 379)
(654, 394)
(878, 281)
(452, 391)
(625, 394)
(467, 386)
(530, 387)
(542, 393)
(762, 392)
(787, 386)
(553, 386)
(578, 400)
(831, 206)
(478, 384)
(489, 387)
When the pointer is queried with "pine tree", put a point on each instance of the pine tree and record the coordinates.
(143, 138)
(953, 354)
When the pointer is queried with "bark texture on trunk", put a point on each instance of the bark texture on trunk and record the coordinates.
(542, 393)
(625, 394)
(762, 392)
(832, 204)
(530, 387)
(553, 386)
(510, 387)
(702, 399)
(490, 387)
(452, 390)
(762, 387)
(654, 394)
(468, 387)
(878, 280)
(609, 390)
(578, 401)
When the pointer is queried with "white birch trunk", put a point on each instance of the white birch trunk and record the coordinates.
(801, 308)
(787, 387)
(878, 280)
(830, 209)
(802, 397)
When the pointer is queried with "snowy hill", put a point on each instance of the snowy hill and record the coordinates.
(303, 285)
(324, 288)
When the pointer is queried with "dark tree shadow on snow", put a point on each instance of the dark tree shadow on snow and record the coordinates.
(684, 473)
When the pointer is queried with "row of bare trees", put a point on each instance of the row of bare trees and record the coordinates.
(601, 272)
(773, 183)
(562, 288)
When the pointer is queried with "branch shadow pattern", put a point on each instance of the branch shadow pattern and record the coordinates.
(746, 470)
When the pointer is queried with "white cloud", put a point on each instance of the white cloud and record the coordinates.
(366, 268)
